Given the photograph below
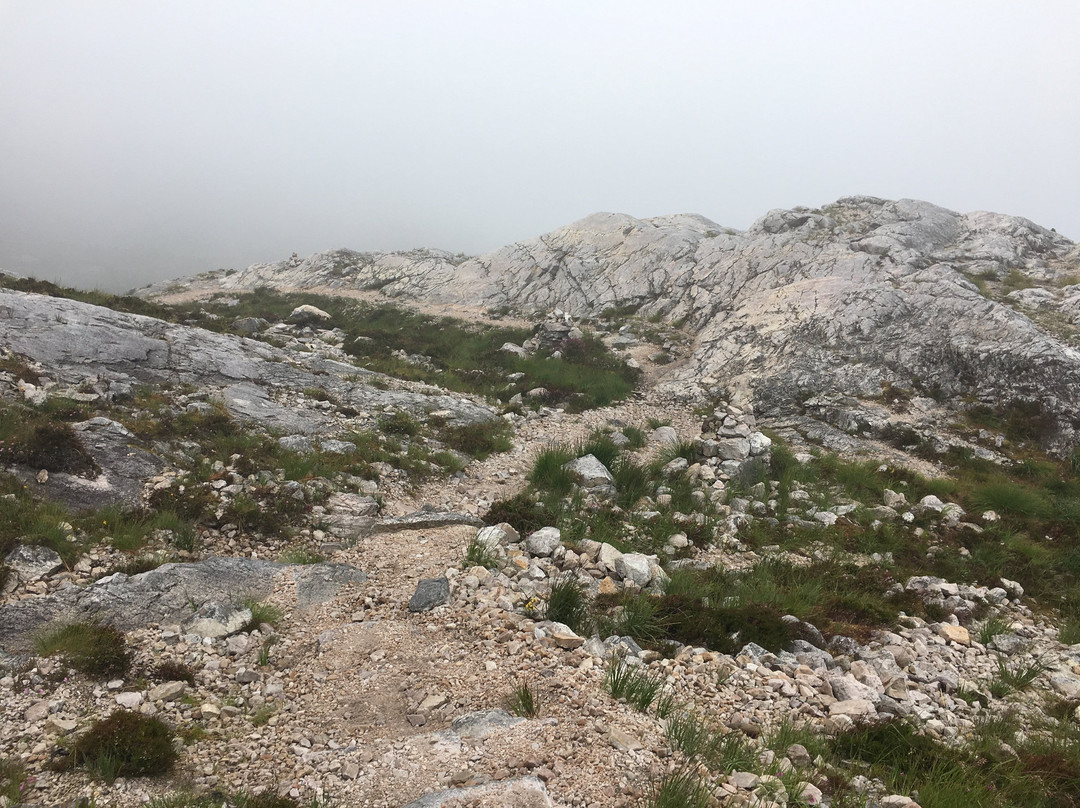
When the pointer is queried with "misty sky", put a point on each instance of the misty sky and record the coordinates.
(145, 139)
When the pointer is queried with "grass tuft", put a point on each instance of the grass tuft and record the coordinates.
(567, 602)
(93, 648)
(524, 700)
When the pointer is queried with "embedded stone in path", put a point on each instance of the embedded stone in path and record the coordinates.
(426, 520)
(430, 592)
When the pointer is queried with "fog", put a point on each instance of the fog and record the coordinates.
(146, 140)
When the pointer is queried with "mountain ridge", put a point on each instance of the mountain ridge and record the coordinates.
(842, 300)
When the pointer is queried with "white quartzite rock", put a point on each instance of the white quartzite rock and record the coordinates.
(544, 541)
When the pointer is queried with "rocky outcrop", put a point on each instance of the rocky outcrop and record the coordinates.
(840, 300)
(169, 594)
(80, 343)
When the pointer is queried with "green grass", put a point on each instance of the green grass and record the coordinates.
(991, 628)
(524, 700)
(480, 554)
(682, 788)
(263, 612)
(548, 474)
(1016, 677)
(14, 781)
(301, 555)
(96, 649)
(567, 602)
(633, 683)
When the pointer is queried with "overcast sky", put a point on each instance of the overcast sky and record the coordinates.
(147, 139)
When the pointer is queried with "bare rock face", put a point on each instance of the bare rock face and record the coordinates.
(832, 301)
(168, 594)
(79, 342)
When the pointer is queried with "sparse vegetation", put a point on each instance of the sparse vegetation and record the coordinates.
(126, 744)
(524, 700)
(567, 602)
(96, 649)
(637, 685)
(480, 554)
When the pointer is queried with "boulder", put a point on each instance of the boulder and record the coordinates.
(544, 541)
(635, 567)
(309, 315)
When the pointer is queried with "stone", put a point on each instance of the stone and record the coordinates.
(301, 444)
(894, 500)
(166, 595)
(664, 435)
(430, 592)
(37, 711)
(747, 781)
(492, 538)
(956, 634)
(129, 700)
(519, 792)
(426, 520)
(806, 794)
(308, 315)
(1014, 589)
(759, 443)
(30, 561)
(60, 726)
(623, 741)
(167, 691)
(852, 707)
(217, 620)
(590, 473)
(483, 723)
(544, 541)
(635, 567)
(564, 637)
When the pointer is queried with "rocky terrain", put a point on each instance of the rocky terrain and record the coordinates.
(824, 552)
(819, 305)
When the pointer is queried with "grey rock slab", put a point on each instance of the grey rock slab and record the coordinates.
(519, 792)
(31, 561)
(167, 595)
(123, 464)
(217, 620)
(351, 515)
(425, 520)
(482, 723)
(81, 342)
(839, 299)
(430, 592)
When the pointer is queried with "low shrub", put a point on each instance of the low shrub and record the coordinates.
(126, 744)
(93, 648)
(521, 512)
(301, 555)
(478, 440)
(172, 671)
